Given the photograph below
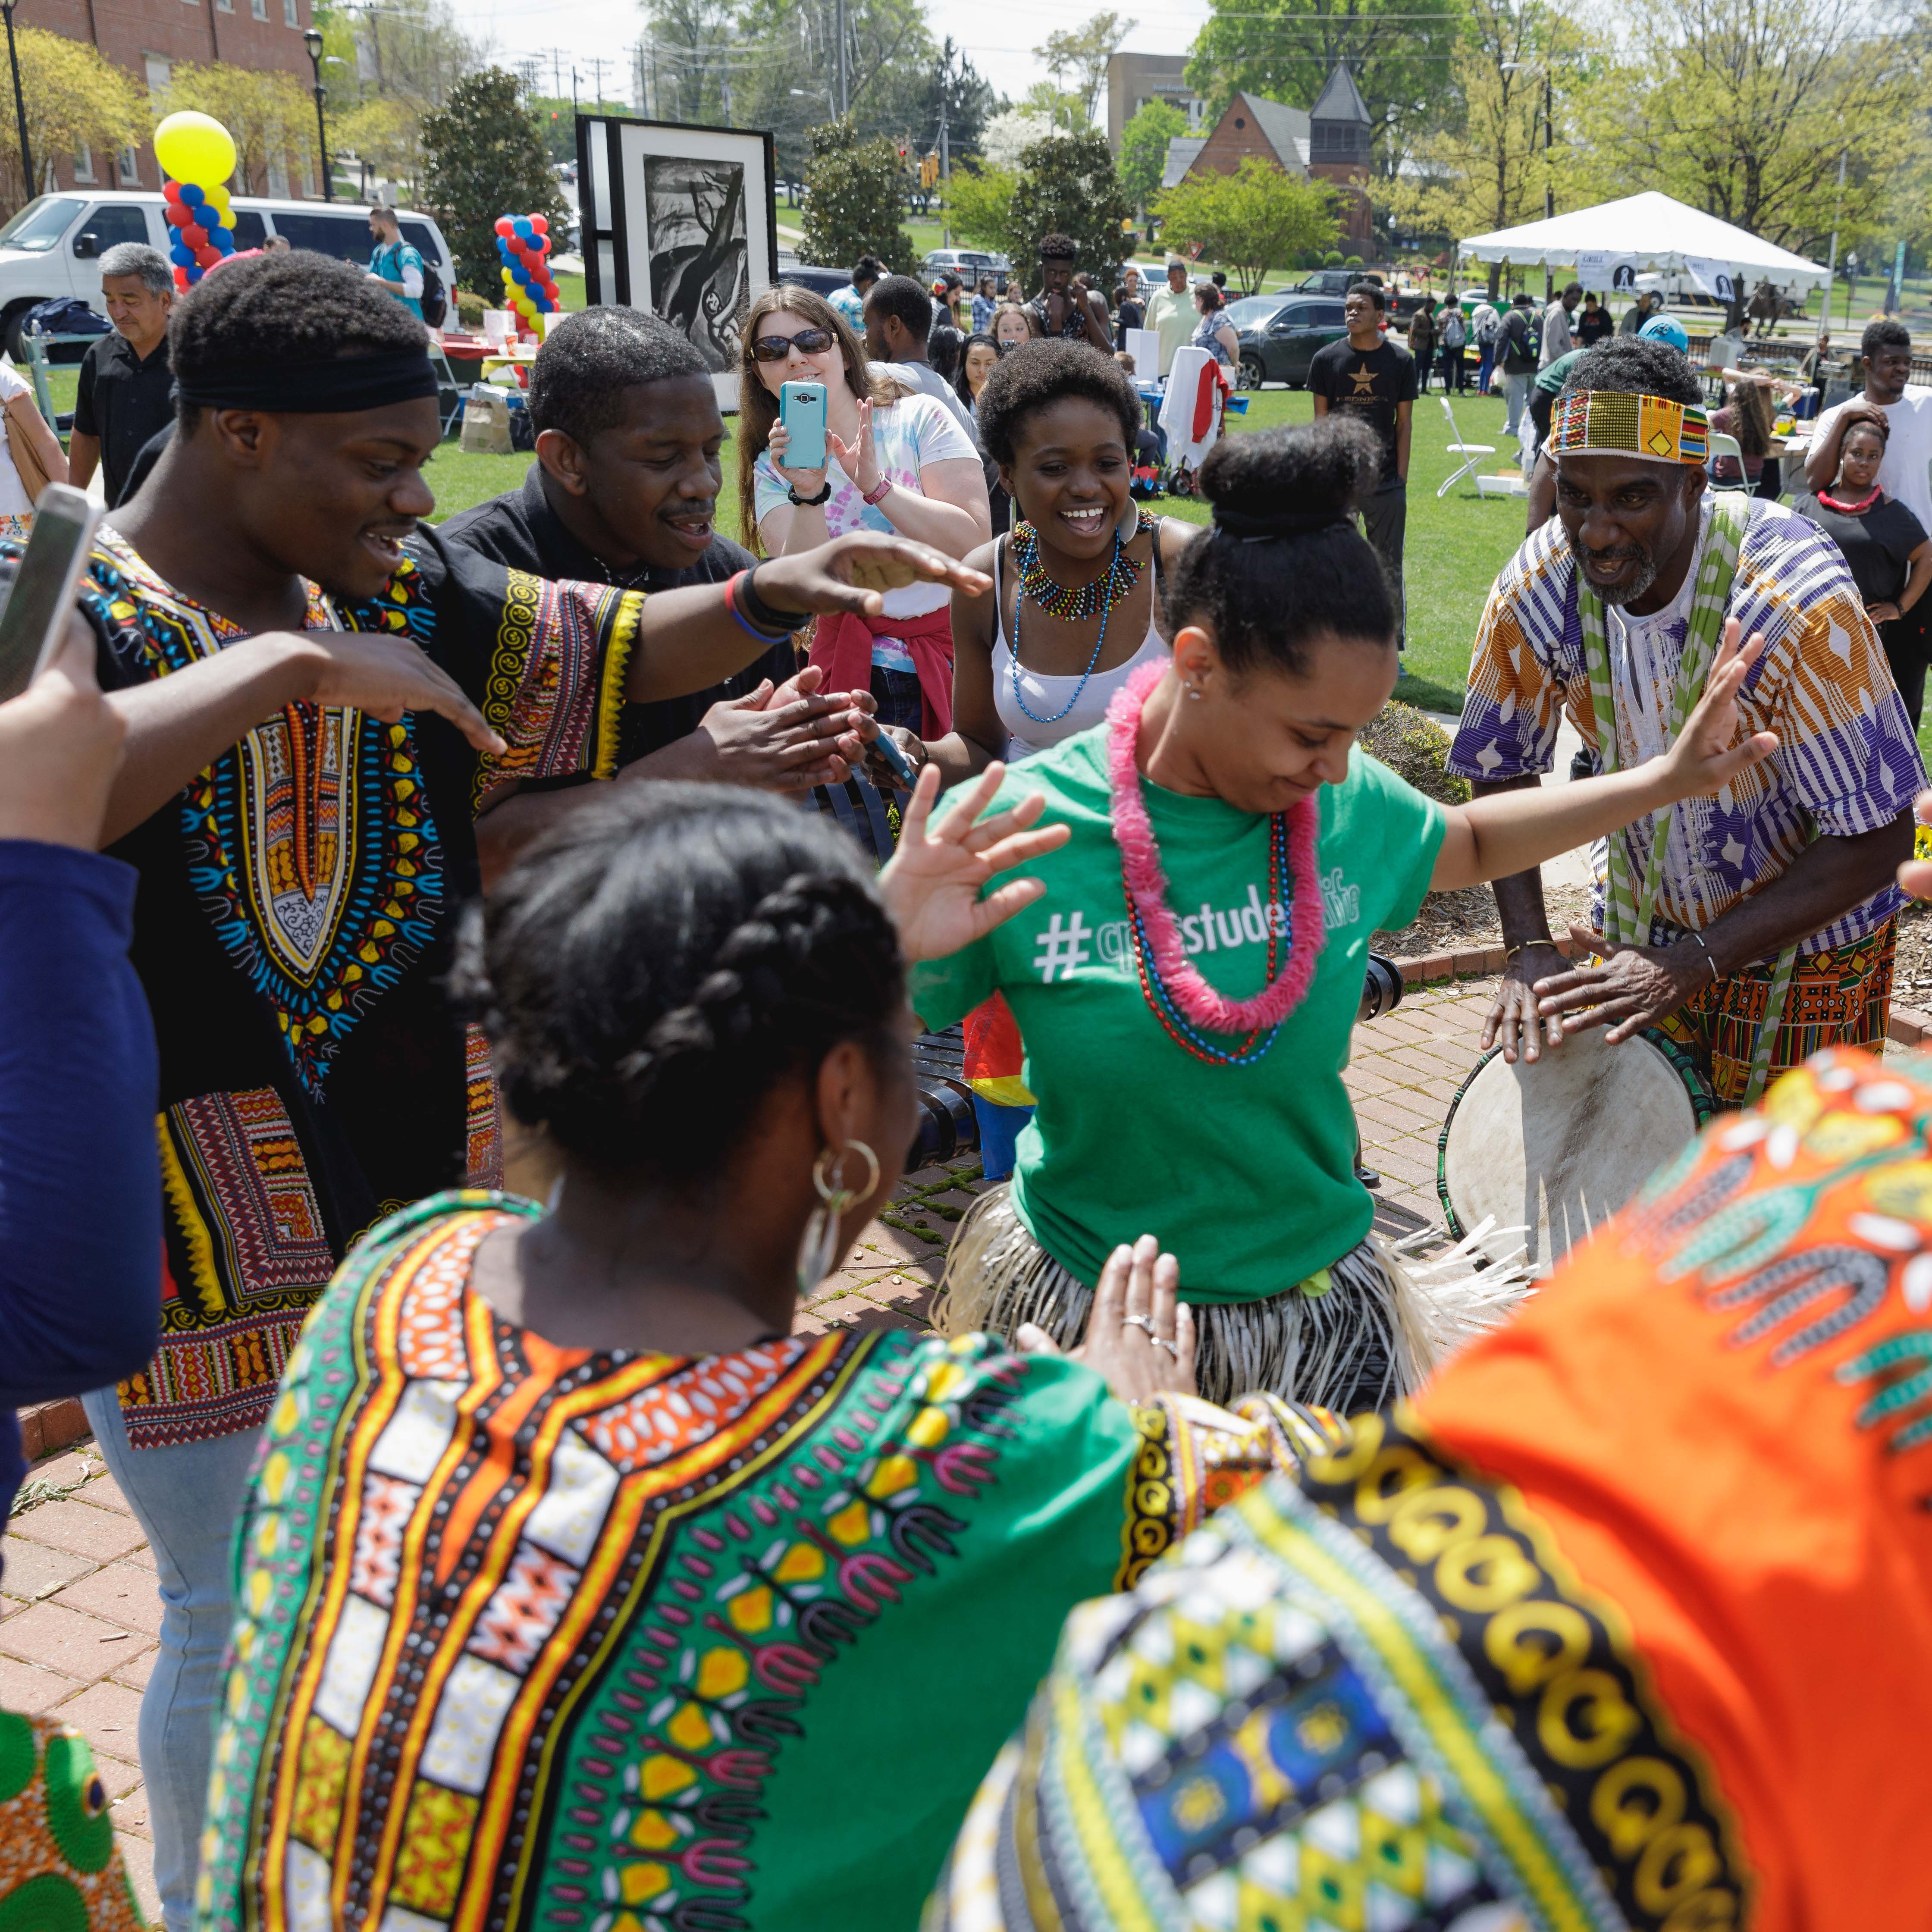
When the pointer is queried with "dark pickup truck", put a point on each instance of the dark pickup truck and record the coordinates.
(1335, 283)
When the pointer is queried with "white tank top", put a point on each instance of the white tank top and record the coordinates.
(1047, 695)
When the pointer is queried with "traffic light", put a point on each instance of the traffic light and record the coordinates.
(928, 171)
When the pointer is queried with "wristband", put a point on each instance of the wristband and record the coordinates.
(812, 502)
(878, 496)
(734, 592)
(1709, 961)
(761, 612)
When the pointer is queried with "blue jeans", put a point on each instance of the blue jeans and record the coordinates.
(187, 1500)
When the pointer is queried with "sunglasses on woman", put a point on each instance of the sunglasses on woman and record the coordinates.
(776, 348)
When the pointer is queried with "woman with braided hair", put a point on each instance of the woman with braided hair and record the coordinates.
(574, 1586)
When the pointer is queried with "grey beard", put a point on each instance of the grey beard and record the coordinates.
(1628, 593)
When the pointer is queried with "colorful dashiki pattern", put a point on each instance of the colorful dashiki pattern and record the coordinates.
(294, 924)
(641, 1644)
(1847, 762)
(59, 1868)
(1518, 1658)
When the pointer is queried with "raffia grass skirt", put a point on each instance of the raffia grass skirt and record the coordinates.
(1374, 1334)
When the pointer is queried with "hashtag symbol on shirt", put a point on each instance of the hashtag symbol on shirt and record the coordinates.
(1062, 947)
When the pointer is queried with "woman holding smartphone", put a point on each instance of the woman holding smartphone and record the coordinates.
(893, 461)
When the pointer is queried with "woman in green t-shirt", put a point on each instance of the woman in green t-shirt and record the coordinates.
(1186, 982)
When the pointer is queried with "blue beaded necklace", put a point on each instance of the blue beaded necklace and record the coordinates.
(1099, 643)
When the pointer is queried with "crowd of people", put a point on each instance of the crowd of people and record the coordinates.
(519, 1563)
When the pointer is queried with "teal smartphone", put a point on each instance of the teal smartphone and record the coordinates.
(802, 410)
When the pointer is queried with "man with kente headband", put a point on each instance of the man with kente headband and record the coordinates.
(318, 697)
(1621, 1627)
(1754, 927)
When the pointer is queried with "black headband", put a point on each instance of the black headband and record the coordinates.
(313, 389)
(1247, 529)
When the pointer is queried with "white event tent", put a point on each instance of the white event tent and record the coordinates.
(1648, 231)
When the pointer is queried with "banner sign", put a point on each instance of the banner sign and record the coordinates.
(1713, 278)
(1603, 273)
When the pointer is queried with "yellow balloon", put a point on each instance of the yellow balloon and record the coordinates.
(218, 197)
(195, 148)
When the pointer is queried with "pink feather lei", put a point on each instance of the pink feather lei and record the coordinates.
(1147, 885)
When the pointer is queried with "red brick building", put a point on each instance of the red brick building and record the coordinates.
(1330, 141)
(147, 37)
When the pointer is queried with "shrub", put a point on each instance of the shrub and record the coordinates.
(1415, 748)
(1333, 259)
(1353, 261)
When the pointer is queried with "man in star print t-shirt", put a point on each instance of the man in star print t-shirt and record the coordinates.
(1369, 376)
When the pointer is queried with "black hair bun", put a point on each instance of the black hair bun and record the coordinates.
(1325, 467)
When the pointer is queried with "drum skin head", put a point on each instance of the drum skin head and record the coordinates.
(1558, 1145)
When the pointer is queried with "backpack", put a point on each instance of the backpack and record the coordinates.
(435, 297)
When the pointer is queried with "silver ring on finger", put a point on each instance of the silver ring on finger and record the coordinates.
(1161, 1342)
(1139, 1321)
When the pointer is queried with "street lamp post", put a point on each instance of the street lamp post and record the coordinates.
(312, 39)
(20, 101)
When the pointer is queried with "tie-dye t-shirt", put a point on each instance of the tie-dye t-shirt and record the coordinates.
(906, 435)
(1847, 761)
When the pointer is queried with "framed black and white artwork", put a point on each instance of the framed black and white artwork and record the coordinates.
(682, 221)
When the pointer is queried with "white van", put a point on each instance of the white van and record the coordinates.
(52, 248)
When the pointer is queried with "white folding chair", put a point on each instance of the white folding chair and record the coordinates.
(1718, 444)
(1468, 451)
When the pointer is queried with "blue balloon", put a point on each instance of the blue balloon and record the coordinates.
(182, 255)
(194, 196)
(524, 231)
(223, 240)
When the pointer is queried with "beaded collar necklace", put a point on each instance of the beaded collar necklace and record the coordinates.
(1076, 603)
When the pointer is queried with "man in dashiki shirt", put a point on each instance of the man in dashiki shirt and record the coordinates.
(318, 698)
(1799, 850)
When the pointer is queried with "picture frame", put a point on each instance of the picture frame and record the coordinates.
(682, 221)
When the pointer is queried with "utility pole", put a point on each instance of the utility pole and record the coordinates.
(573, 88)
(845, 104)
(1831, 270)
(945, 173)
(20, 103)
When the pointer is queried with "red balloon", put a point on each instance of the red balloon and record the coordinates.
(171, 190)
(206, 257)
(541, 223)
(194, 235)
(181, 280)
(175, 215)
(505, 225)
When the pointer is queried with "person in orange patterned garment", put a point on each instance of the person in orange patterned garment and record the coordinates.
(1622, 1626)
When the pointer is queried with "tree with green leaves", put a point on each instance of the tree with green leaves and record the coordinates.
(1067, 185)
(1285, 50)
(980, 206)
(76, 99)
(483, 157)
(855, 195)
(969, 98)
(1143, 150)
(1255, 219)
(1077, 59)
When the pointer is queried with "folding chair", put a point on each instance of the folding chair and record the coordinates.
(1468, 451)
(1721, 445)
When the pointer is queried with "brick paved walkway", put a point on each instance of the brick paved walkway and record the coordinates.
(78, 1613)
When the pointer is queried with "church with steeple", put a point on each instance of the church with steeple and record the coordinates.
(1330, 141)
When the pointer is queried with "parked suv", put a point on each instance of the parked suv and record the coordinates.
(1278, 338)
(52, 248)
(968, 264)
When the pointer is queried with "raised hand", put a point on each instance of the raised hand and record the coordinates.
(853, 573)
(857, 459)
(60, 747)
(932, 883)
(1140, 1335)
(1705, 759)
(385, 676)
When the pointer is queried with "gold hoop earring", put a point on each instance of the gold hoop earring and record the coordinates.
(819, 1248)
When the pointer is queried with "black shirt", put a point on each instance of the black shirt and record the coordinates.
(1592, 325)
(1519, 343)
(521, 529)
(1369, 384)
(122, 400)
(1876, 545)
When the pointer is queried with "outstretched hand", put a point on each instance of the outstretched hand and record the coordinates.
(932, 883)
(1704, 760)
(852, 572)
(1140, 1334)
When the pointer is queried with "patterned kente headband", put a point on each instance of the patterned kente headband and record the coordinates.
(1614, 422)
